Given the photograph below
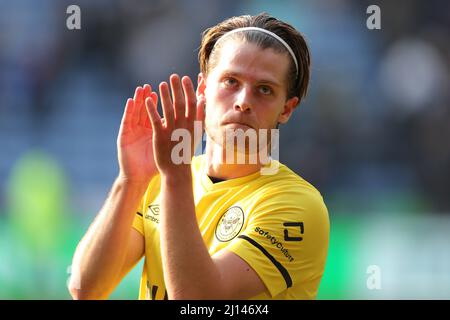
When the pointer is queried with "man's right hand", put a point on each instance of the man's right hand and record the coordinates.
(134, 142)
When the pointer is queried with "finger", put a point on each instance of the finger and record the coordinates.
(136, 93)
(128, 112)
(147, 90)
(200, 117)
(166, 103)
(155, 118)
(201, 113)
(140, 106)
(143, 118)
(140, 95)
(154, 97)
(178, 98)
(190, 98)
(137, 105)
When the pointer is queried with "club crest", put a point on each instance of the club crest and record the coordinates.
(230, 224)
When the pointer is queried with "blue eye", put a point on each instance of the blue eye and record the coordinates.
(230, 82)
(265, 90)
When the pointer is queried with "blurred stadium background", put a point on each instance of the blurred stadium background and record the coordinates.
(372, 135)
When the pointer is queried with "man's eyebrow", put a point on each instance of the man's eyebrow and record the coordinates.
(260, 81)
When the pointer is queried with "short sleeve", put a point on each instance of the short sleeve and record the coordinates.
(138, 223)
(286, 239)
(150, 194)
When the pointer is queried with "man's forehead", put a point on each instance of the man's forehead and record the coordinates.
(245, 58)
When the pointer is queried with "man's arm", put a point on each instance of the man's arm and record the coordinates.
(111, 247)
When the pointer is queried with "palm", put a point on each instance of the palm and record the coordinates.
(137, 152)
(134, 143)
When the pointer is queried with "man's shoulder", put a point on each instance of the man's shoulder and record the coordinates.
(289, 188)
(287, 180)
(292, 197)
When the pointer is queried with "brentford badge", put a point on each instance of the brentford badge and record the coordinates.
(230, 224)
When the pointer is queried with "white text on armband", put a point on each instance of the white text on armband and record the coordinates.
(275, 242)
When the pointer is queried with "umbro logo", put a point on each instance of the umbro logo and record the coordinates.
(154, 208)
(153, 213)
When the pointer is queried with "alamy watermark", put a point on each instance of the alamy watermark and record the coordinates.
(238, 147)
(374, 20)
(73, 281)
(373, 281)
(73, 21)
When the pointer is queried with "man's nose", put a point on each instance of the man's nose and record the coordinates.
(243, 100)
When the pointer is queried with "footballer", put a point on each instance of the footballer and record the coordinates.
(211, 228)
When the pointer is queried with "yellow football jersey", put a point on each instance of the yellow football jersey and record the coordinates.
(277, 223)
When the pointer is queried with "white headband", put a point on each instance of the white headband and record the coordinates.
(288, 48)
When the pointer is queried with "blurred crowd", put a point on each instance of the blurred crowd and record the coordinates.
(373, 126)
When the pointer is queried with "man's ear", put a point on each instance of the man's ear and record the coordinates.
(288, 108)
(201, 86)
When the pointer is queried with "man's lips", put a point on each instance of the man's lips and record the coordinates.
(237, 123)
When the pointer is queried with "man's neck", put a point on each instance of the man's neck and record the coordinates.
(217, 167)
